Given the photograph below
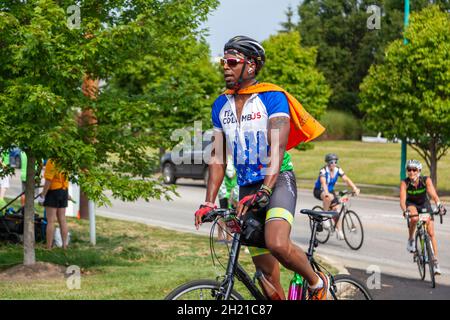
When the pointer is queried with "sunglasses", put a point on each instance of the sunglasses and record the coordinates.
(412, 169)
(231, 62)
(332, 162)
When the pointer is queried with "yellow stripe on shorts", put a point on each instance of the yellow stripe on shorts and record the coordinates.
(255, 251)
(274, 213)
(280, 213)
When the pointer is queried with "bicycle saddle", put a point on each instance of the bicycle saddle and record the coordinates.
(320, 214)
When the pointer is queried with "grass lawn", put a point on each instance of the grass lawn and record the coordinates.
(130, 261)
(365, 163)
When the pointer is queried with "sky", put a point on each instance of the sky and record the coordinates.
(257, 19)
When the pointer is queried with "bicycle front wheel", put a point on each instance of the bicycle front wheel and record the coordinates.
(353, 230)
(420, 255)
(200, 290)
(346, 287)
(430, 261)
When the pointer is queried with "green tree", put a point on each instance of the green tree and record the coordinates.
(346, 47)
(288, 25)
(43, 65)
(408, 95)
(293, 68)
(181, 94)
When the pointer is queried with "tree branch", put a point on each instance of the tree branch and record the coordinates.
(422, 153)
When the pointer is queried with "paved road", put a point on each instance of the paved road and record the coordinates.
(384, 245)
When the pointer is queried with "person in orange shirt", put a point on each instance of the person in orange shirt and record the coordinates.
(56, 196)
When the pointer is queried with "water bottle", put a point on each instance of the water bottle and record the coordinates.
(296, 288)
(268, 288)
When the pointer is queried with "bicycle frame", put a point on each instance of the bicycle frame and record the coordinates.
(235, 269)
(344, 208)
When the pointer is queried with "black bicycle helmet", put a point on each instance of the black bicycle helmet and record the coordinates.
(249, 47)
(331, 156)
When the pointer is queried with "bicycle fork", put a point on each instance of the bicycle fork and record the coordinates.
(228, 283)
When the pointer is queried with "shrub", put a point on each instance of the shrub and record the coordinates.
(341, 126)
(305, 146)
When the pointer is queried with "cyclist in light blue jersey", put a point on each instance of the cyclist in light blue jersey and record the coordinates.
(324, 186)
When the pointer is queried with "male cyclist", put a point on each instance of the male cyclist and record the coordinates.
(414, 191)
(324, 187)
(255, 124)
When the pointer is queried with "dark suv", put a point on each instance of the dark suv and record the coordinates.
(192, 165)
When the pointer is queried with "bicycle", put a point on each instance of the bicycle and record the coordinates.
(424, 253)
(351, 223)
(341, 286)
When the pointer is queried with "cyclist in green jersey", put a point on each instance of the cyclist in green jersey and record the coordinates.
(414, 191)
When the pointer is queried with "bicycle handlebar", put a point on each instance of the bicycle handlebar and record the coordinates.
(345, 192)
(432, 213)
(211, 216)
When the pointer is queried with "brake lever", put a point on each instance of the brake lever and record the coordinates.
(209, 217)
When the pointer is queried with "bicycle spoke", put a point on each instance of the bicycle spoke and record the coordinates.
(353, 230)
(347, 288)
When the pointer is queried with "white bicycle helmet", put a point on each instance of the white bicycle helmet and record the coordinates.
(414, 164)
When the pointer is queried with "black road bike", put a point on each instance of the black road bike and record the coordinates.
(424, 254)
(342, 287)
(351, 223)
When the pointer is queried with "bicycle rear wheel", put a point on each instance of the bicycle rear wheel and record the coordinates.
(324, 235)
(348, 288)
(353, 230)
(420, 256)
(199, 290)
(430, 261)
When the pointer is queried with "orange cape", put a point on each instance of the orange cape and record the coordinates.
(304, 127)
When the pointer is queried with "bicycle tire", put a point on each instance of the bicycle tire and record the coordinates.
(420, 256)
(430, 261)
(210, 287)
(347, 229)
(348, 288)
(322, 236)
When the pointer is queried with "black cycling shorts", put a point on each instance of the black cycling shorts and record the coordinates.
(318, 192)
(281, 206)
(421, 208)
(56, 198)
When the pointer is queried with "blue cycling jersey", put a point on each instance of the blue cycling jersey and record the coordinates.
(331, 180)
(247, 139)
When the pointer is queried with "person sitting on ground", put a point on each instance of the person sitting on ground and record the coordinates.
(324, 187)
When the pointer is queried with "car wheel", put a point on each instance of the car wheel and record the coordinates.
(169, 173)
(206, 177)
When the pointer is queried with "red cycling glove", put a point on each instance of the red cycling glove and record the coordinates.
(204, 209)
(258, 200)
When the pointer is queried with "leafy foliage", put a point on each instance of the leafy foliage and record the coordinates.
(293, 68)
(409, 94)
(45, 62)
(346, 47)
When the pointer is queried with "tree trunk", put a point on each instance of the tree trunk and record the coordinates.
(433, 162)
(29, 257)
(84, 206)
(88, 120)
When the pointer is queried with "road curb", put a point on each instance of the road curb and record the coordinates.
(338, 265)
